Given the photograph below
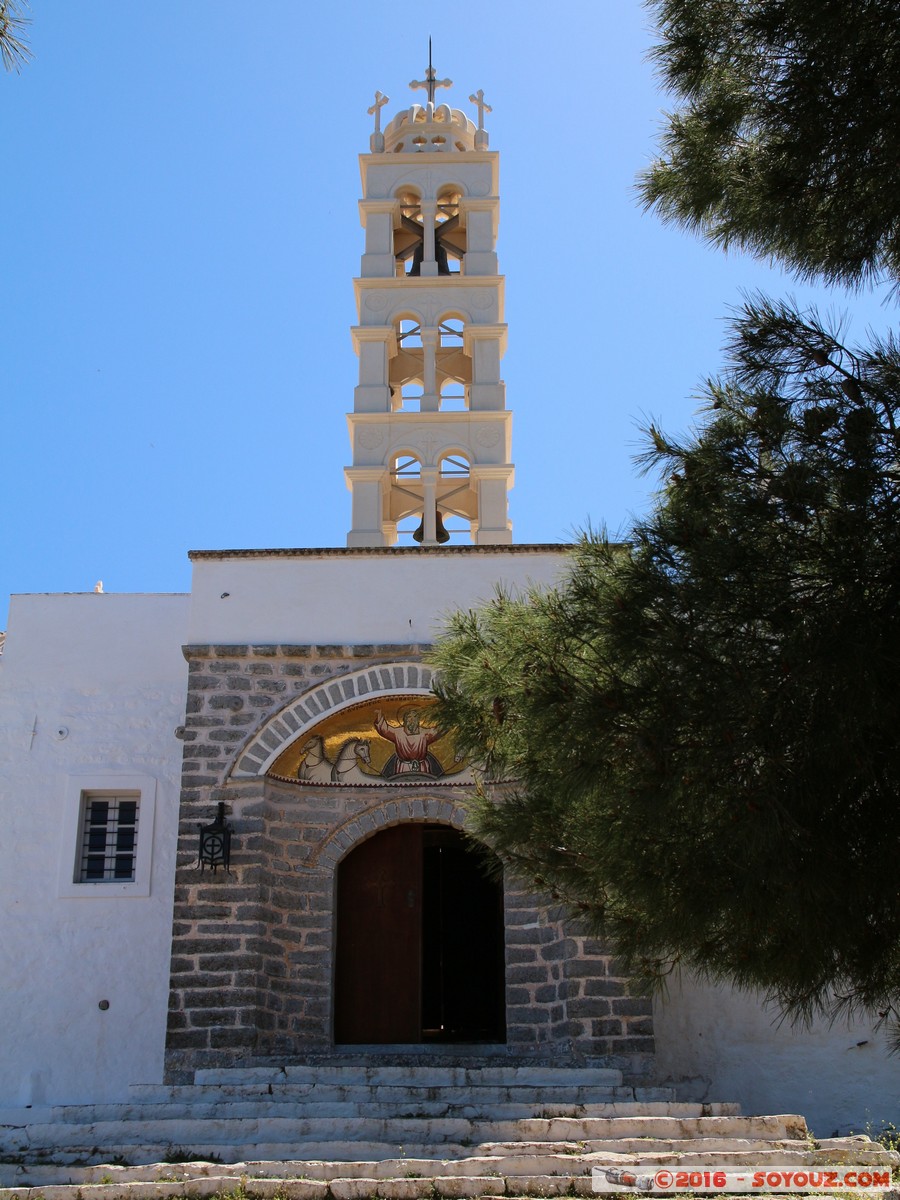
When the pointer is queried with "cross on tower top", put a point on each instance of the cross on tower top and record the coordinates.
(380, 101)
(483, 106)
(430, 83)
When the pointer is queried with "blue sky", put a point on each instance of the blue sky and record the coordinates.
(180, 223)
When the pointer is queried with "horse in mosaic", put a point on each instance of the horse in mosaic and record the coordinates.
(346, 768)
(316, 766)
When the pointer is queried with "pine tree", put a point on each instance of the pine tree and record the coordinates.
(14, 50)
(700, 729)
(787, 138)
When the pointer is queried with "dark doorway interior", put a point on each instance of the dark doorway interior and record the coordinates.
(419, 953)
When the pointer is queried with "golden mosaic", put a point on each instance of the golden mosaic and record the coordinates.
(388, 740)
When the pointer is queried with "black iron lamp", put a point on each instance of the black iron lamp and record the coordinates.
(215, 843)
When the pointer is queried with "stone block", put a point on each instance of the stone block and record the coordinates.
(527, 1015)
(632, 1006)
(455, 1187)
(403, 1189)
(589, 1008)
(230, 1039)
(521, 954)
(187, 1039)
(210, 1017)
(606, 1028)
(603, 987)
(213, 945)
(525, 974)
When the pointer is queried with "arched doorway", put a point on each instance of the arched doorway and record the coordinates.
(419, 952)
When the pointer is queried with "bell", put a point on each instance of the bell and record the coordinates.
(440, 257)
(440, 533)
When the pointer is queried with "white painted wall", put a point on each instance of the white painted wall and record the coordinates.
(341, 598)
(107, 670)
(719, 1044)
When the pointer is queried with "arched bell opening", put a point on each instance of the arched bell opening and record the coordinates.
(448, 493)
(407, 367)
(450, 233)
(430, 370)
(456, 501)
(433, 233)
(419, 940)
(408, 231)
(405, 498)
(453, 366)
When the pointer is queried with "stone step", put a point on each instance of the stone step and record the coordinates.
(427, 1075)
(547, 1158)
(655, 1120)
(257, 1110)
(538, 1160)
(191, 1132)
(404, 1178)
(393, 1094)
(200, 1103)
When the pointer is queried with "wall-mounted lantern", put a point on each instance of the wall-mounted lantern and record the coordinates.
(215, 842)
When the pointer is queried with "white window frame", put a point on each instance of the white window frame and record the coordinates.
(143, 787)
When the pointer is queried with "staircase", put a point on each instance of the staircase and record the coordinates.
(342, 1132)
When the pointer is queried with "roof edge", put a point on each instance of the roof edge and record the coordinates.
(383, 551)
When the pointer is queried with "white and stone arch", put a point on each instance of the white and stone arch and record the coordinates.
(331, 696)
(396, 811)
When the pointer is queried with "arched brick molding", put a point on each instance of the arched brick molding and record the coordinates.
(365, 825)
(308, 709)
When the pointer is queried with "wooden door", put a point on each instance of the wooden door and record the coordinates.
(379, 936)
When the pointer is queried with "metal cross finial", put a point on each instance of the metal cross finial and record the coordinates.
(430, 83)
(483, 106)
(380, 101)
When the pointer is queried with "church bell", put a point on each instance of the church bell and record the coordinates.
(440, 533)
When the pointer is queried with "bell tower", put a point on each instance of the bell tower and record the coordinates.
(430, 432)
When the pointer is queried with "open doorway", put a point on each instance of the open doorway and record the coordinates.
(420, 947)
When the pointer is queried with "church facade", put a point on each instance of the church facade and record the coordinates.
(233, 834)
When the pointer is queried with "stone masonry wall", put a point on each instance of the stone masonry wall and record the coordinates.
(252, 950)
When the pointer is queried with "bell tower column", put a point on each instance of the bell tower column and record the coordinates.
(430, 432)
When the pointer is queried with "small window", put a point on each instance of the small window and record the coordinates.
(109, 838)
(106, 836)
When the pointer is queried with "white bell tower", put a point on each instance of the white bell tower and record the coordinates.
(430, 432)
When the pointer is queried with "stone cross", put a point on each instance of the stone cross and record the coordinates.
(430, 83)
(380, 101)
(483, 106)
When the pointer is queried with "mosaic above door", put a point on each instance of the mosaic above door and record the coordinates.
(388, 740)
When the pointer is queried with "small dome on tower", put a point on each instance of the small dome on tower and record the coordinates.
(429, 129)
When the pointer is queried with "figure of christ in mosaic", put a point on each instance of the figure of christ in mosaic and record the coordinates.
(411, 741)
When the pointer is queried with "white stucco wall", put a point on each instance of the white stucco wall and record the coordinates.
(719, 1044)
(353, 597)
(92, 687)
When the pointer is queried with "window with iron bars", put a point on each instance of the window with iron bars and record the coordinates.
(108, 837)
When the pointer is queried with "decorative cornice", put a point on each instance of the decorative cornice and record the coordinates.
(383, 551)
